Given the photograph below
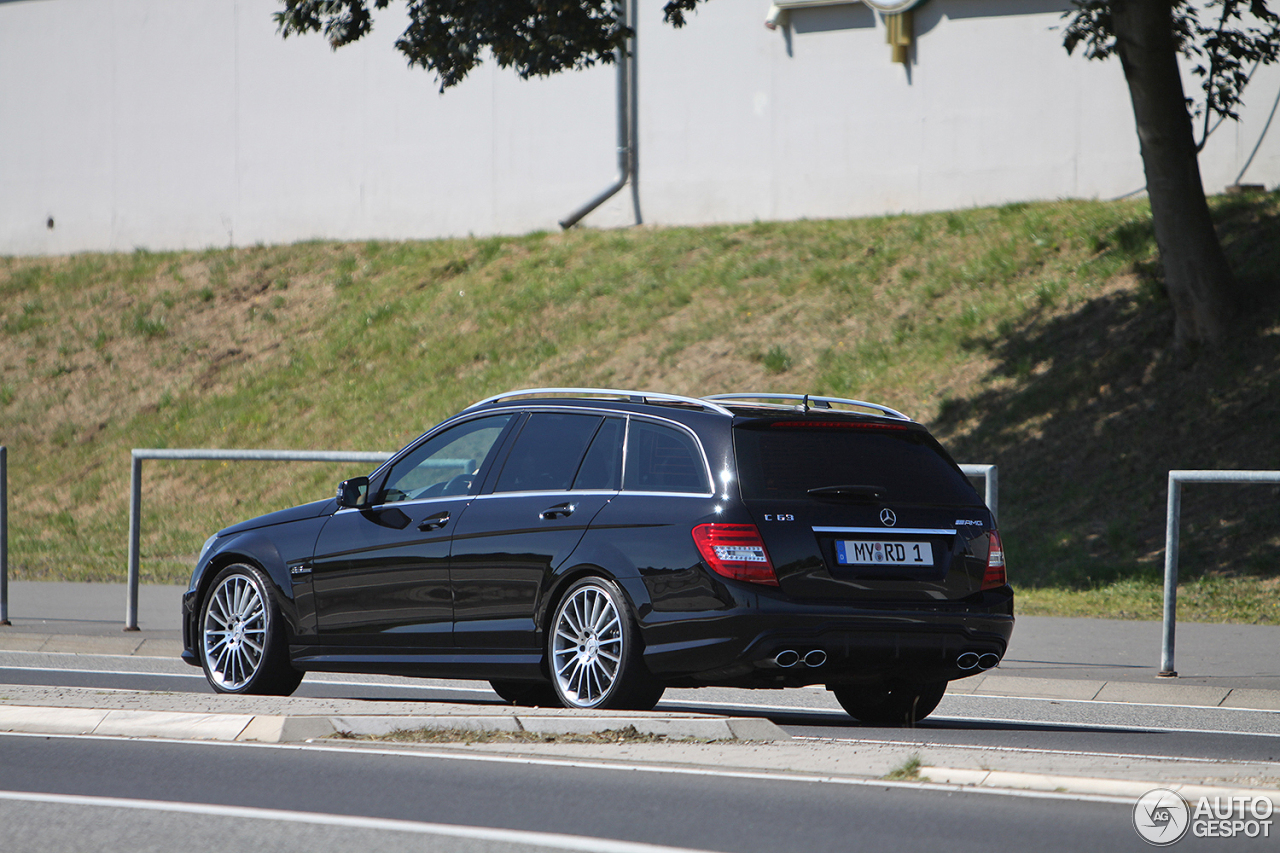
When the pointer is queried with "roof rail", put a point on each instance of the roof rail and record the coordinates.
(807, 402)
(631, 396)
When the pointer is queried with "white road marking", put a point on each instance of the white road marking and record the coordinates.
(552, 840)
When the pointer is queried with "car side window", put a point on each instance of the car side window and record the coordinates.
(547, 453)
(446, 464)
(663, 459)
(601, 469)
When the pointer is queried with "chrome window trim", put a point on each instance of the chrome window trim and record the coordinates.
(551, 407)
(567, 410)
(547, 493)
(697, 442)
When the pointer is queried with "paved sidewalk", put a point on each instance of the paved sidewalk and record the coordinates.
(1067, 658)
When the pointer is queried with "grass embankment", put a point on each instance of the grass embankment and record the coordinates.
(1034, 336)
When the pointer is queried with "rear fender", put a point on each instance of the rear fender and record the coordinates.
(602, 560)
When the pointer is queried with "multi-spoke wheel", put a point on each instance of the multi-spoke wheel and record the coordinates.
(890, 704)
(242, 641)
(594, 651)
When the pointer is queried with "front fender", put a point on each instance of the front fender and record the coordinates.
(273, 550)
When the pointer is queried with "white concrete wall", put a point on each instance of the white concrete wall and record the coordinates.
(189, 123)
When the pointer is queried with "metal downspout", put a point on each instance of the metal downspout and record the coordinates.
(626, 128)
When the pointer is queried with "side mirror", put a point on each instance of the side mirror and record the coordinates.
(353, 492)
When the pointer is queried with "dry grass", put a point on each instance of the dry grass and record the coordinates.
(627, 735)
(1032, 336)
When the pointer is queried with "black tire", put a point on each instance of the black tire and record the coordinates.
(900, 704)
(594, 651)
(534, 694)
(242, 641)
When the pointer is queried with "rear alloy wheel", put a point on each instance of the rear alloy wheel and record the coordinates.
(242, 640)
(538, 694)
(594, 651)
(900, 704)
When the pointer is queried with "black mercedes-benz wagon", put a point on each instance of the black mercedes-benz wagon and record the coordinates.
(591, 548)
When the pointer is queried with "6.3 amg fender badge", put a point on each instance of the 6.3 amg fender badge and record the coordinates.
(887, 518)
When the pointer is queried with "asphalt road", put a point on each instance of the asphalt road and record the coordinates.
(707, 811)
(88, 793)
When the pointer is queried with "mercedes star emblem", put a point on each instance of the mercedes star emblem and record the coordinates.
(887, 518)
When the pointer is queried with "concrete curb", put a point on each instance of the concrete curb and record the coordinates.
(272, 728)
(1121, 788)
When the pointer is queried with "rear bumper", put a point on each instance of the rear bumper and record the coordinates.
(741, 647)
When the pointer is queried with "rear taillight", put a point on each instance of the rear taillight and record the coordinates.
(735, 551)
(995, 576)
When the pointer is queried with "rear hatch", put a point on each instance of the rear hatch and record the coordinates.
(861, 508)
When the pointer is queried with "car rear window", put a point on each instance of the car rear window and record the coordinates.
(779, 461)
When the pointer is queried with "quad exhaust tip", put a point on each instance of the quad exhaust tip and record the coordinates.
(790, 657)
(972, 660)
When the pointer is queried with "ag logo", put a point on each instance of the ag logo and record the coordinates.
(1161, 817)
(887, 518)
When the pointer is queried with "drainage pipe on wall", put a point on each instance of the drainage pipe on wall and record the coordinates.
(626, 125)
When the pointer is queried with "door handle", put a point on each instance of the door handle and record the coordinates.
(557, 511)
(434, 522)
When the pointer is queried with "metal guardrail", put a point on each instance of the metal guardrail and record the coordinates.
(1176, 479)
(135, 494)
(990, 475)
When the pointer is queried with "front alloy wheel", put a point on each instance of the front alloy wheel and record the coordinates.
(242, 640)
(594, 651)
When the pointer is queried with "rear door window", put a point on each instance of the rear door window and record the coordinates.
(602, 467)
(661, 458)
(548, 452)
(905, 465)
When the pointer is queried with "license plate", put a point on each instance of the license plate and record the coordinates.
(855, 552)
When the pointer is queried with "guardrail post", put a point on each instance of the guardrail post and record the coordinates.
(1170, 575)
(135, 538)
(4, 535)
(1176, 479)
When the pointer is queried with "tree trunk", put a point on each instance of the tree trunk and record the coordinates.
(1197, 277)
